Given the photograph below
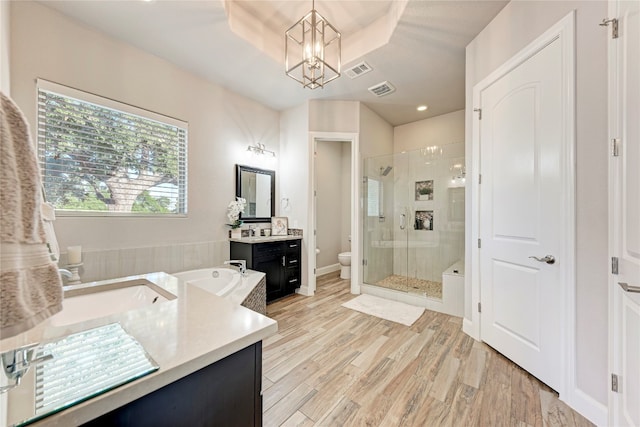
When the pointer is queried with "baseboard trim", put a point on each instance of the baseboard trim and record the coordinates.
(469, 329)
(328, 269)
(588, 407)
(304, 290)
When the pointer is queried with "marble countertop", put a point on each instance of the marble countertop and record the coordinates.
(182, 335)
(264, 239)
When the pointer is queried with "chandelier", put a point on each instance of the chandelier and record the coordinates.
(312, 50)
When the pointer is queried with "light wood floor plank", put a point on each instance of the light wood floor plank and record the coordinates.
(332, 366)
(298, 419)
(278, 414)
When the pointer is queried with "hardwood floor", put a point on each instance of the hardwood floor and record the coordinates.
(332, 366)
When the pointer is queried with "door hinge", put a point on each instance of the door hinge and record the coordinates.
(314, 271)
(364, 262)
(615, 147)
(479, 111)
(479, 243)
(614, 26)
(614, 265)
(614, 383)
(479, 307)
(479, 178)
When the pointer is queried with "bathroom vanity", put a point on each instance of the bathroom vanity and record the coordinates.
(205, 352)
(279, 257)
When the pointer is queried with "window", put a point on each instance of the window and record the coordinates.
(102, 156)
(374, 197)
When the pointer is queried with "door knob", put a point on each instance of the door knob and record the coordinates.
(549, 259)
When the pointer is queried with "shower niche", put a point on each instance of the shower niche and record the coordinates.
(413, 220)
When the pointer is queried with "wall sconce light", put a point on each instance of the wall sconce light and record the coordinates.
(259, 150)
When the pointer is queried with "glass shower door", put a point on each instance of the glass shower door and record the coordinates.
(386, 223)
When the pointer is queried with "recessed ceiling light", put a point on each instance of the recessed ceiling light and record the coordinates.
(422, 108)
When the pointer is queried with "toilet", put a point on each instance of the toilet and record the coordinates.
(344, 259)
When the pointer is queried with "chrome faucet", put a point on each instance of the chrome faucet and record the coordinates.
(66, 273)
(240, 263)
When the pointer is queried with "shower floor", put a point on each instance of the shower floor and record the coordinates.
(400, 283)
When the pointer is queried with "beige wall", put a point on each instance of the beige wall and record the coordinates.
(221, 124)
(376, 135)
(519, 23)
(294, 174)
(334, 214)
(439, 130)
(333, 116)
(5, 31)
(345, 195)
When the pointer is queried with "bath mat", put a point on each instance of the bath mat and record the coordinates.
(394, 311)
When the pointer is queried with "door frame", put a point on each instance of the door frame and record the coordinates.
(617, 297)
(565, 31)
(356, 265)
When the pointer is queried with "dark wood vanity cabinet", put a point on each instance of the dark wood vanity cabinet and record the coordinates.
(279, 260)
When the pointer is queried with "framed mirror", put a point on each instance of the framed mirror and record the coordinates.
(258, 187)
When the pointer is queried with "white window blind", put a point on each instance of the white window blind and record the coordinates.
(102, 156)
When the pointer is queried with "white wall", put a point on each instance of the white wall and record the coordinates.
(439, 130)
(519, 23)
(5, 31)
(221, 125)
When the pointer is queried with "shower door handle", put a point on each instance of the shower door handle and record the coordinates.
(403, 221)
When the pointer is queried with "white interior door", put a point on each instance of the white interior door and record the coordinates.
(624, 228)
(524, 191)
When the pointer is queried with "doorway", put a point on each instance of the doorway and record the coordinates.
(316, 138)
(333, 204)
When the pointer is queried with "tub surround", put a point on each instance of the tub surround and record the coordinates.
(250, 290)
(183, 335)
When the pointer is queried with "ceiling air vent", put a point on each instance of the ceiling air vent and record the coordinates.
(382, 89)
(358, 70)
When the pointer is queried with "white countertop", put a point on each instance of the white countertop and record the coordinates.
(264, 239)
(183, 335)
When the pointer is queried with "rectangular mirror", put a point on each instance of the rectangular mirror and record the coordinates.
(258, 187)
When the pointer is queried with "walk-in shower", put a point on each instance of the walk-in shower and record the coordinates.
(414, 219)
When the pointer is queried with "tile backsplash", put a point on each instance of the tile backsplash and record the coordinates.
(113, 263)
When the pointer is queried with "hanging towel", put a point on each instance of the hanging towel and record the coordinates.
(30, 285)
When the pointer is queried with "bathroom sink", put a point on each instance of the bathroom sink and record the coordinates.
(88, 301)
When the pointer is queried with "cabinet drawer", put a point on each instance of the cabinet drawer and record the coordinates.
(293, 247)
(292, 279)
(293, 261)
(267, 249)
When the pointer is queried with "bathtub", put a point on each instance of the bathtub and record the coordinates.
(249, 290)
(219, 281)
(85, 302)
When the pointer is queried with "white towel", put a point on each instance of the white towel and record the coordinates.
(30, 286)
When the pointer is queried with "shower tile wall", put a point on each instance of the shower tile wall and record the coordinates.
(428, 253)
